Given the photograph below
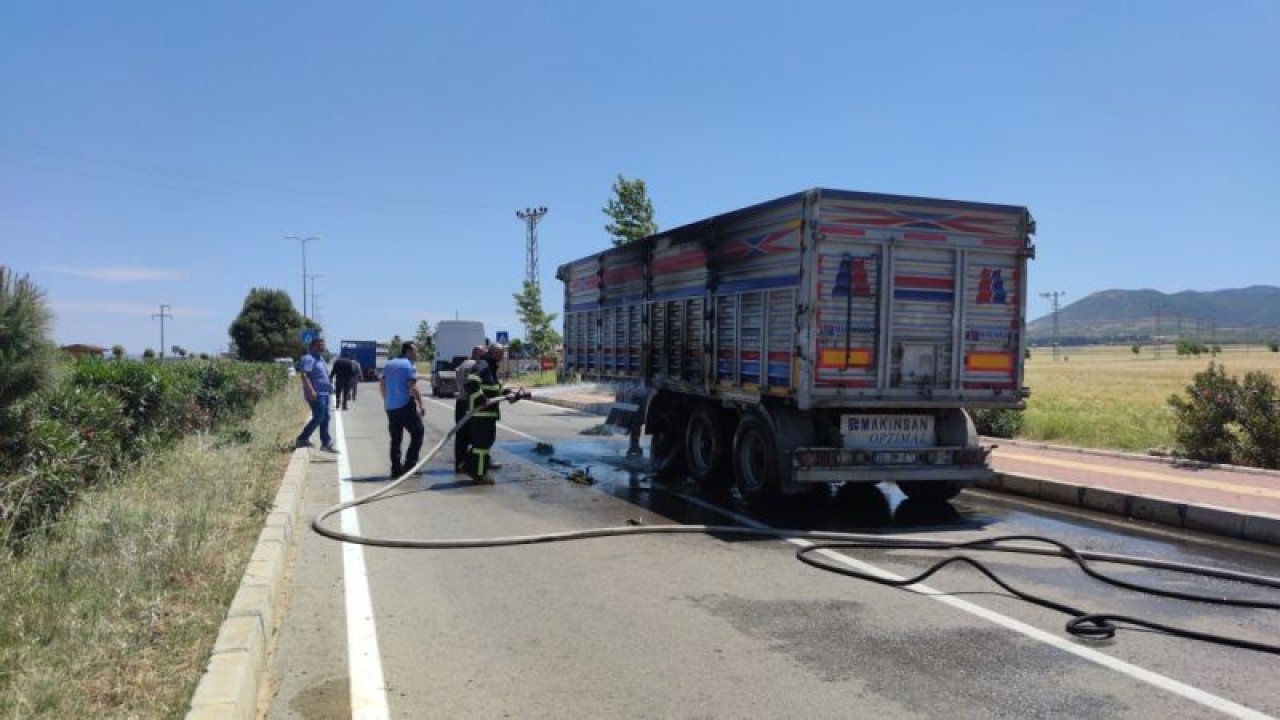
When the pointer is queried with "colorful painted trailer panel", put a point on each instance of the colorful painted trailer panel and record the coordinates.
(827, 298)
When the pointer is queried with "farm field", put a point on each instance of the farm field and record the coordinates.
(1107, 397)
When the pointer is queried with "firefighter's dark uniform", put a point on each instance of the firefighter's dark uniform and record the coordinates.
(462, 438)
(481, 386)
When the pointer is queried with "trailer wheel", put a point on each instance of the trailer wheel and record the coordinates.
(707, 444)
(755, 460)
(931, 491)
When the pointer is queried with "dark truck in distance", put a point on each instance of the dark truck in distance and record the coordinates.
(823, 337)
(365, 352)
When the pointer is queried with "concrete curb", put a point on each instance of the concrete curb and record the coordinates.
(1254, 527)
(1120, 454)
(233, 678)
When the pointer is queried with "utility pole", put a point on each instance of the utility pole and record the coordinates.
(1054, 295)
(303, 241)
(1159, 307)
(164, 313)
(531, 216)
(315, 309)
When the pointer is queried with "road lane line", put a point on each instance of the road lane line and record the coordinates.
(364, 661)
(1143, 475)
(1197, 695)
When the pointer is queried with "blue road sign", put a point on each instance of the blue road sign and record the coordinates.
(502, 337)
(308, 335)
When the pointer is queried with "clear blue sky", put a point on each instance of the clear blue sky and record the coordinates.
(160, 152)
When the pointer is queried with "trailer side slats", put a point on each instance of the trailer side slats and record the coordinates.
(876, 300)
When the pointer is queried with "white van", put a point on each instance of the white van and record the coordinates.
(454, 340)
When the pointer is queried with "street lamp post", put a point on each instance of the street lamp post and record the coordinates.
(303, 241)
(314, 307)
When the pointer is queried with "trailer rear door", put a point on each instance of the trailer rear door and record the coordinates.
(918, 304)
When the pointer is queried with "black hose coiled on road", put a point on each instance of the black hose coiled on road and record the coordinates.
(1083, 624)
(1086, 625)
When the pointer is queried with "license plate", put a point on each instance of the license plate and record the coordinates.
(875, 431)
(895, 458)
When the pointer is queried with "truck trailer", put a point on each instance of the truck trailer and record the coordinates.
(823, 337)
(365, 353)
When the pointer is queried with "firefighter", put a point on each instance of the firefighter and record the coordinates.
(480, 386)
(462, 438)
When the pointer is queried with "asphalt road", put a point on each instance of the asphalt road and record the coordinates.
(691, 626)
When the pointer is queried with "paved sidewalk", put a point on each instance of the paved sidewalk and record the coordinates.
(1219, 499)
(1231, 501)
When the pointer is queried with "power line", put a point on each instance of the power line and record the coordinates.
(1055, 294)
(132, 171)
(162, 315)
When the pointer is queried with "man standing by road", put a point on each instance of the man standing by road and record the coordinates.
(316, 389)
(343, 374)
(357, 376)
(399, 388)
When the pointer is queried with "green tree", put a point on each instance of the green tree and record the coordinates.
(148, 354)
(1136, 349)
(535, 319)
(117, 351)
(26, 352)
(393, 347)
(631, 212)
(425, 341)
(268, 327)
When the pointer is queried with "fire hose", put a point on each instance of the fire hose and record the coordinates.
(1082, 623)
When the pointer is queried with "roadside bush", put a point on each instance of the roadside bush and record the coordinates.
(997, 422)
(70, 442)
(26, 354)
(102, 417)
(153, 398)
(1202, 419)
(1258, 414)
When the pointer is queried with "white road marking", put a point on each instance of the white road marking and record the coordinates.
(364, 661)
(1209, 700)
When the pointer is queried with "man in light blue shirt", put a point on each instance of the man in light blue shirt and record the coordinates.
(316, 390)
(399, 387)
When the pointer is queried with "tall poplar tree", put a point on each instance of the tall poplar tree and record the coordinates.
(631, 212)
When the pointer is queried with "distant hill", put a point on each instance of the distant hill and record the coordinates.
(1249, 314)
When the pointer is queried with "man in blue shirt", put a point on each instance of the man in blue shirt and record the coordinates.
(316, 390)
(399, 387)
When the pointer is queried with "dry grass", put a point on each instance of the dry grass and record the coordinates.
(1108, 397)
(115, 615)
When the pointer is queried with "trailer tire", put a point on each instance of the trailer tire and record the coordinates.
(707, 446)
(755, 460)
(931, 491)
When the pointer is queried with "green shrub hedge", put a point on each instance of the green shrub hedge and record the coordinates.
(1219, 419)
(997, 422)
(100, 416)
